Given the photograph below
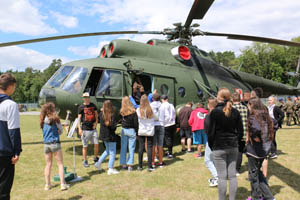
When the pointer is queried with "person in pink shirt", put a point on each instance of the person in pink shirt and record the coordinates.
(196, 121)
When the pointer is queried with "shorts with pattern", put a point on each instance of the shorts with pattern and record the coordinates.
(52, 147)
(89, 135)
(158, 137)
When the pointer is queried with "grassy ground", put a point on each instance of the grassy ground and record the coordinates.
(184, 177)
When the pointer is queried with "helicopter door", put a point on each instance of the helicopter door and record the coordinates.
(166, 86)
(110, 85)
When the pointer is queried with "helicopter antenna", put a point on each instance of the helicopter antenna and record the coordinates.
(240, 66)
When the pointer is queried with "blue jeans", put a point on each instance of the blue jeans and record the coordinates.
(110, 149)
(208, 159)
(128, 137)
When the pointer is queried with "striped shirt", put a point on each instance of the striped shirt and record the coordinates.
(244, 114)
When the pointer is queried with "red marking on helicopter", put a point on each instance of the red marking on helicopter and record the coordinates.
(151, 43)
(240, 91)
(103, 53)
(111, 48)
(181, 53)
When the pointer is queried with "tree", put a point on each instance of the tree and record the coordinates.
(31, 81)
(226, 58)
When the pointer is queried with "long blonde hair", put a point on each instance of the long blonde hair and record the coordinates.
(107, 112)
(127, 107)
(145, 108)
(224, 96)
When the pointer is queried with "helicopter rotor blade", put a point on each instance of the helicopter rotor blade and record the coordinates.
(253, 38)
(198, 10)
(5, 44)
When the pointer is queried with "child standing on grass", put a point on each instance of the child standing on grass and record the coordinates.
(146, 131)
(108, 127)
(196, 121)
(212, 102)
(50, 123)
(130, 126)
(259, 140)
(185, 128)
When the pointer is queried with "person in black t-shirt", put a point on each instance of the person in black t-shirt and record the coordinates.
(88, 120)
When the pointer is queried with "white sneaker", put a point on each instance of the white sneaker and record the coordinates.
(237, 174)
(64, 186)
(213, 182)
(47, 187)
(112, 171)
(98, 165)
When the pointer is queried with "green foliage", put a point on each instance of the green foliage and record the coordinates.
(270, 61)
(226, 58)
(30, 82)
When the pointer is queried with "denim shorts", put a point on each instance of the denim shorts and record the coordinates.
(199, 137)
(52, 147)
(89, 135)
(158, 137)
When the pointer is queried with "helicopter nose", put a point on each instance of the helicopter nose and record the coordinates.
(47, 95)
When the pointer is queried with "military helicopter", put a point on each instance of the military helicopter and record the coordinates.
(174, 67)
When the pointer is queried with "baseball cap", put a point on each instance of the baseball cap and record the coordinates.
(85, 95)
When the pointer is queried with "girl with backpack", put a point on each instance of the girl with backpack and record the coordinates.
(259, 141)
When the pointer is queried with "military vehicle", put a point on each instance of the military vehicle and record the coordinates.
(174, 67)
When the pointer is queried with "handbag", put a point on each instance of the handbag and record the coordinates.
(146, 126)
(146, 132)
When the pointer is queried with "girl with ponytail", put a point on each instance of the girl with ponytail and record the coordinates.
(224, 131)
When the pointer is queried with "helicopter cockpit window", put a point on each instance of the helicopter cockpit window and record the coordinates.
(164, 89)
(110, 84)
(181, 92)
(74, 82)
(60, 76)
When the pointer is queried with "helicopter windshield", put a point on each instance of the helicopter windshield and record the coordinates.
(74, 83)
(110, 84)
(56, 80)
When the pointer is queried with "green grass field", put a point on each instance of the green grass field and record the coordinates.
(184, 177)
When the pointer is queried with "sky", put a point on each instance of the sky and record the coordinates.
(27, 19)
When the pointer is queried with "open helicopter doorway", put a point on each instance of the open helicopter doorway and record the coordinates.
(141, 84)
(93, 81)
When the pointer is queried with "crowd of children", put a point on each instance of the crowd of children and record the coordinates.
(227, 129)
